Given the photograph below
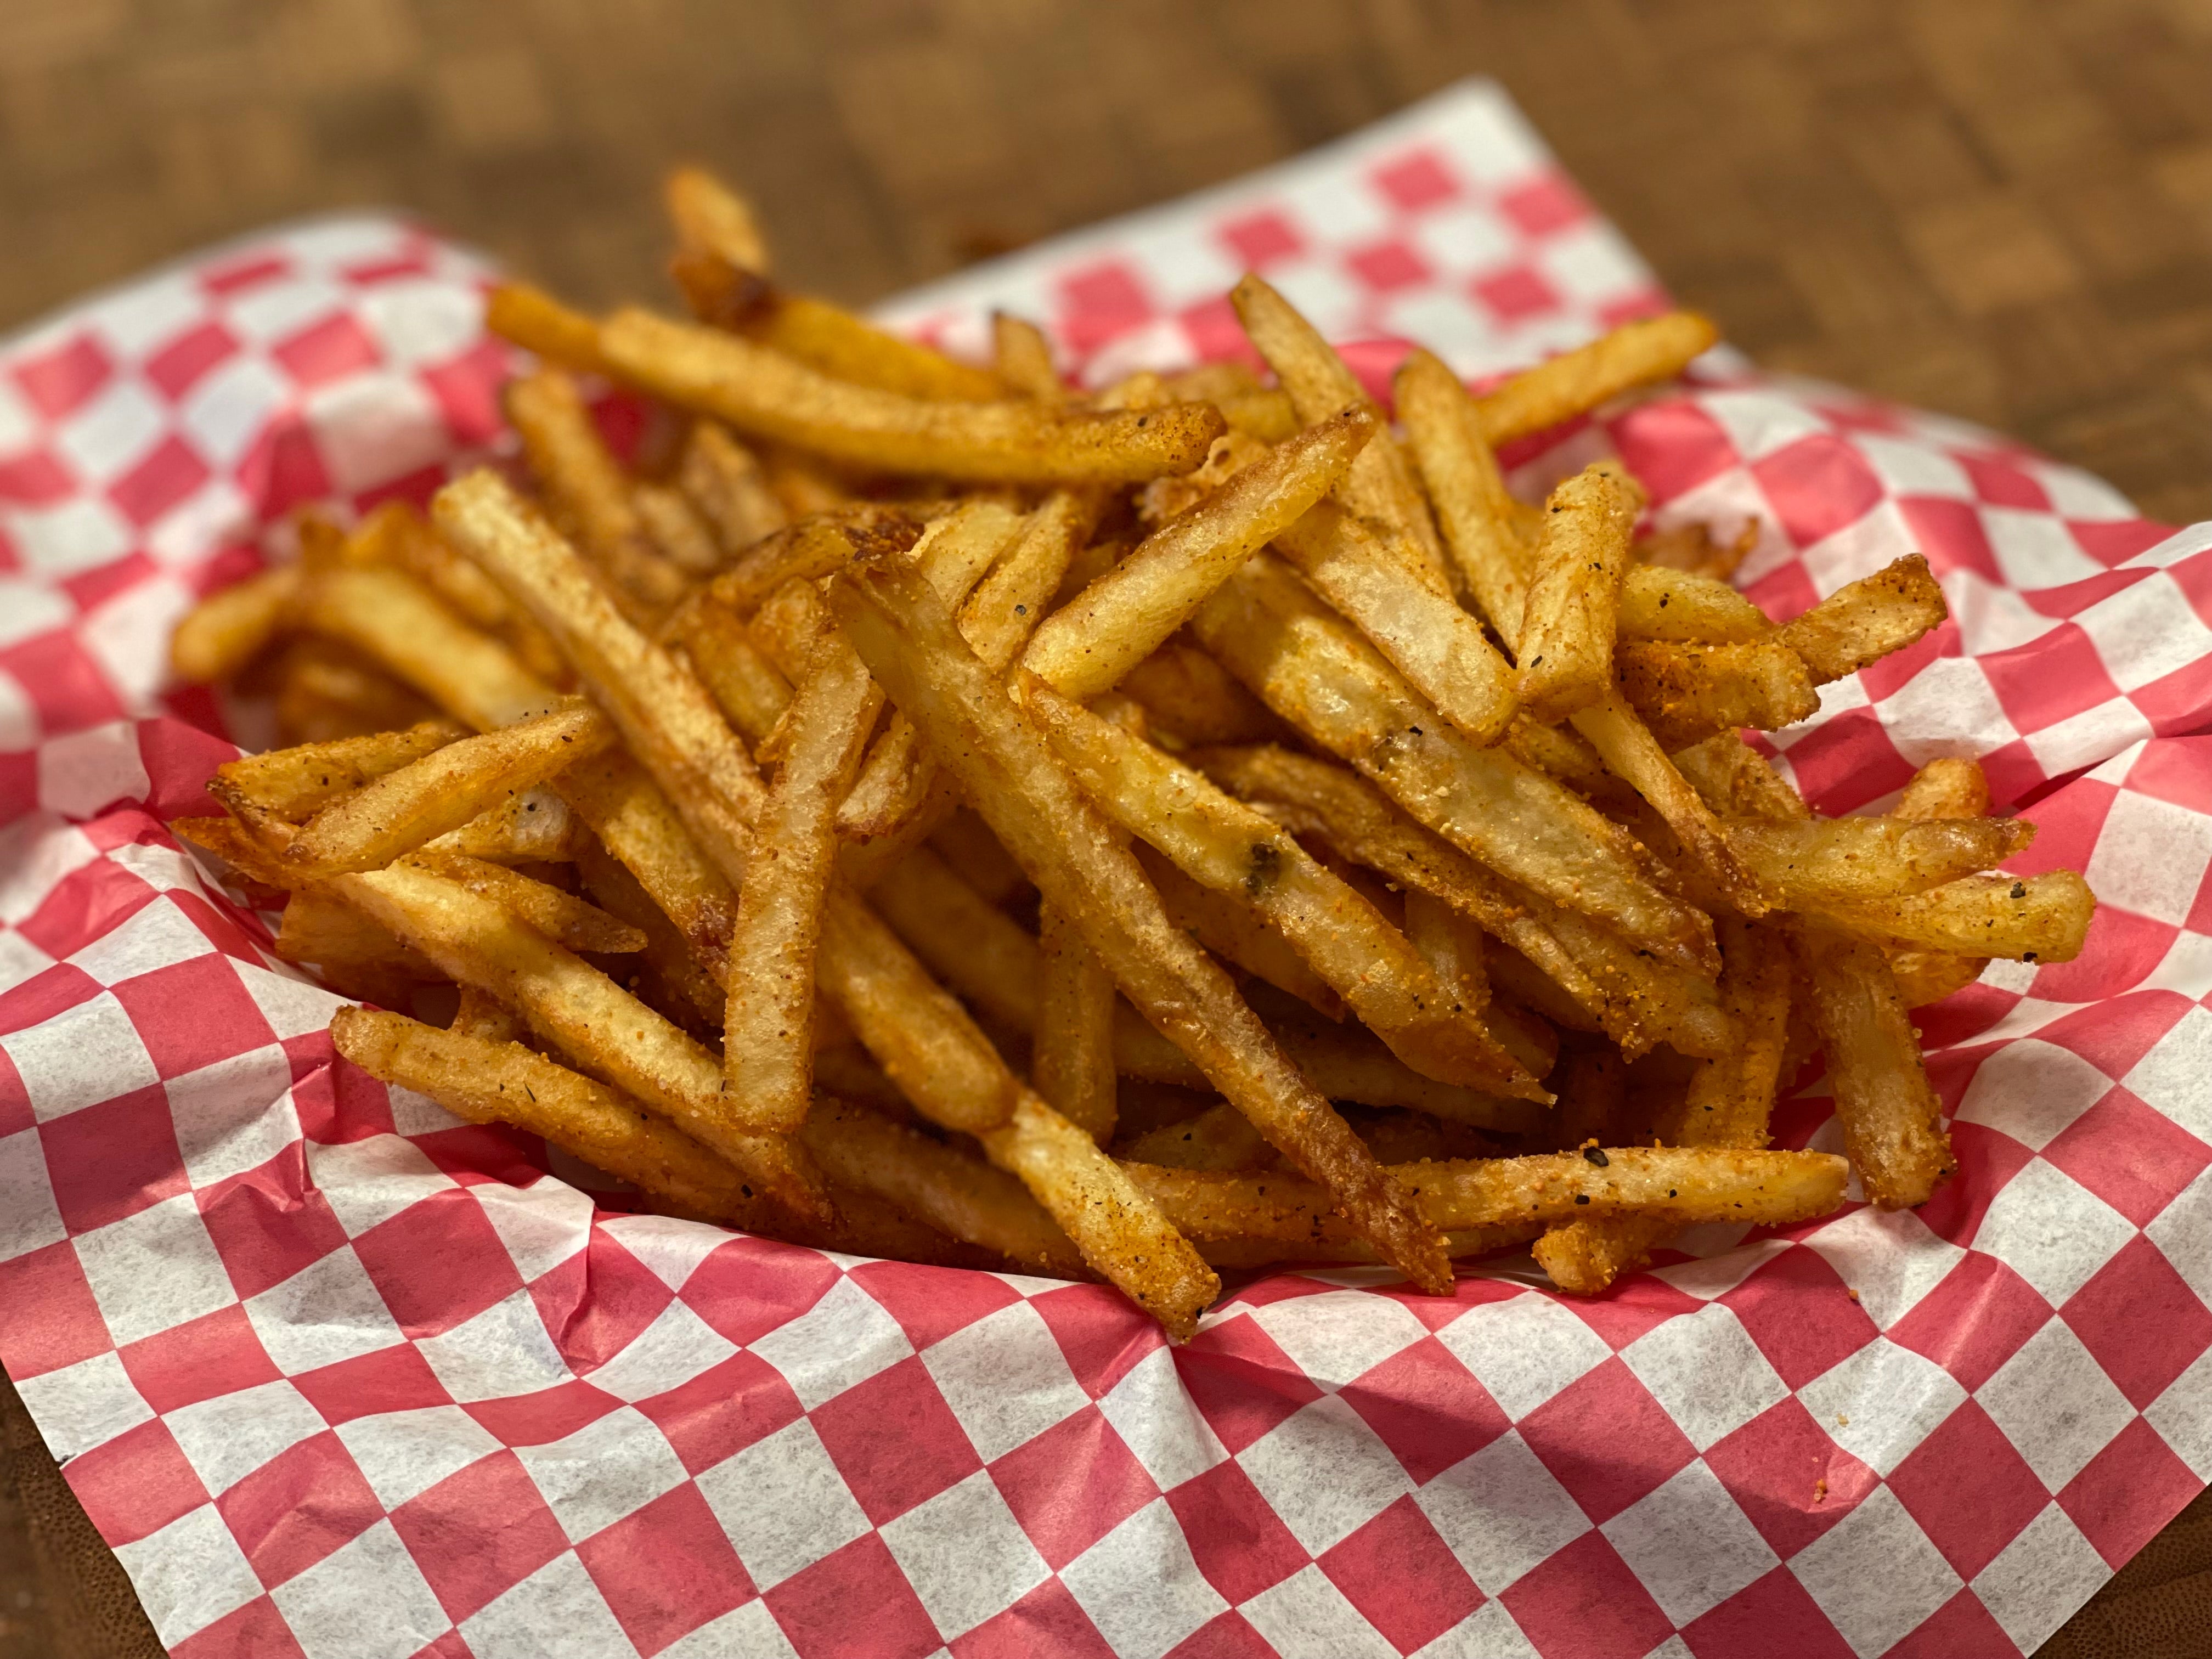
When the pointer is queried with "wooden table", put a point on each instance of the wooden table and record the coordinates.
(1994, 208)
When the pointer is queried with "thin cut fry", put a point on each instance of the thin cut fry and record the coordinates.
(813, 547)
(1218, 1138)
(1188, 697)
(1473, 510)
(2042, 918)
(1565, 650)
(1227, 925)
(535, 321)
(1867, 619)
(1890, 1117)
(230, 628)
(292, 784)
(1949, 787)
(566, 919)
(748, 689)
(711, 216)
(1087, 645)
(1023, 357)
(760, 391)
(1575, 382)
(1660, 604)
(393, 618)
(676, 528)
(724, 481)
(1685, 693)
(1820, 862)
(902, 632)
(1072, 1052)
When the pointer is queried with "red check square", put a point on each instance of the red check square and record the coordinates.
(1974, 1320)
(216, 1353)
(193, 1014)
(1788, 1478)
(135, 1484)
(750, 1286)
(1403, 1579)
(895, 1440)
(2141, 1320)
(666, 1569)
(438, 1262)
(1961, 1629)
(270, 1222)
(69, 1327)
(114, 1159)
(1771, 1615)
(1427, 1407)
(1971, 1491)
(2135, 1158)
(601, 1300)
(1607, 1440)
(479, 1533)
(2127, 1492)
(1238, 1540)
(1072, 1485)
(394, 1379)
(723, 1410)
(1799, 1312)
(62, 379)
(256, 1631)
(1584, 1600)
(1242, 1382)
(854, 1603)
(294, 1509)
(1047, 1620)
(170, 473)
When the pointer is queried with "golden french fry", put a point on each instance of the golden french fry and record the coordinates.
(1685, 1184)
(292, 784)
(1866, 619)
(326, 691)
(1736, 782)
(1928, 976)
(1234, 931)
(483, 1017)
(1575, 382)
(2042, 918)
(415, 804)
(676, 529)
(566, 919)
(724, 481)
(1072, 1051)
(1687, 692)
(709, 216)
(1087, 645)
(1222, 844)
(1440, 648)
(1820, 862)
(903, 631)
(495, 1082)
(688, 994)
(813, 547)
(1690, 548)
(1946, 788)
(1023, 357)
(1892, 1119)
(393, 618)
(1565, 649)
(535, 321)
(1379, 485)
(1218, 1138)
(1316, 670)
(965, 842)
(1189, 697)
(227, 629)
(1473, 510)
(1660, 604)
(750, 690)
(1451, 944)
(767, 1025)
(353, 955)
(763, 391)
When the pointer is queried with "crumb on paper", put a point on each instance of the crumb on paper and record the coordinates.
(1842, 1422)
(1821, 1491)
(1853, 1295)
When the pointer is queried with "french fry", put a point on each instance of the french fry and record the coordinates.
(1821, 862)
(1685, 1184)
(1190, 698)
(1379, 485)
(1866, 619)
(1218, 1138)
(724, 481)
(902, 632)
(1085, 646)
(1460, 1243)
(694, 1001)
(767, 1024)
(1949, 787)
(1634, 355)
(1928, 976)
(1452, 947)
(533, 320)
(355, 958)
(568, 920)
(1565, 648)
(1473, 512)
(1691, 548)
(292, 784)
(763, 391)
(1023, 358)
(1660, 604)
(1728, 1104)
(710, 216)
(1687, 692)
(489, 1082)
(1002, 614)
(965, 842)
(227, 629)
(1222, 844)
(1317, 671)
(587, 487)
(483, 1017)
(1232, 930)
(676, 529)
(2042, 918)
(960, 1195)
(391, 617)
(415, 804)
(1440, 648)
(813, 547)
(1072, 1052)
(750, 690)
(638, 826)
(327, 691)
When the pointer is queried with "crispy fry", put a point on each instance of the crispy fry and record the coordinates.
(767, 1025)
(1189, 697)
(724, 480)
(393, 618)
(1928, 976)
(965, 842)
(1565, 648)
(1227, 925)
(492, 1082)
(1023, 357)
(636, 823)
(563, 918)
(1946, 788)
(1379, 485)
(485, 1017)
(1684, 1184)
(709, 216)
(1473, 510)
(1085, 646)
(1890, 1117)
(535, 321)
(1866, 619)
(1575, 382)
(1691, 548)
(355, 958)
(689, 994)
(813, 547)
(1225, 845)
(1452, 947)
(1660, 604)
(1218, 1138)
(1821, 862)
(1316, 670)
(1687, 692)
(902, 632)
(292, 784)
(327, 690)
(750, 690)
(676, 529)
(2042, 918)
(415, 804)
(763, 391)
(231, 627)
(1073, 1050)
(1440, 649)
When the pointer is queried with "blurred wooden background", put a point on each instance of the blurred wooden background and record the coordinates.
(2001, 208)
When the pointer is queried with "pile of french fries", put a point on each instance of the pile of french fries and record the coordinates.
(920, 810)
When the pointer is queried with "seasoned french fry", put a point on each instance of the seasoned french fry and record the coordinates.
(1684, 1184)
(1232, 930)
(711, 216)
(902, 632)
(1928, 976)
(1440, 648)
(1073, 1050)
(1691, 548)
(760, 391)
(566, 919)
(2042, 918)
(394, 619)
(1317, 672)
(327, 691)
(485, 1017)
(965, 842)
(1219, 1138)
(724, 481)
(693, 998)
(1866, 619)
(1575, 382)
(1946, 788)
(1023, 357)
(1660, 604)
(1565, 649)
(813, 547)
(1007, 606)
(587, 488)
(292, 784)
(1188, 697)
(492, 1082)
(1473, 510)
(535, 321)
(1821, 862)
(1687, 692)
(638, 826)
(750, 690)
(676, 529)
(416, 802)
(1452, 947)
(230, 627)
(1087, 645)
(1379, 485)
(1225, 845)
(767, 1025)
(1892, 1119)
(355, 955)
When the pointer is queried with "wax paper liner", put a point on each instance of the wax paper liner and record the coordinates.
(337, 1375)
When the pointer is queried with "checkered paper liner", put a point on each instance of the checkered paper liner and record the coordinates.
(338, 1375)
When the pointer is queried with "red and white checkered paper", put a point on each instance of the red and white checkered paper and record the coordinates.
(337, 1375)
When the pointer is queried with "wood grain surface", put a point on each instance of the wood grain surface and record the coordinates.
(1999, 208)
